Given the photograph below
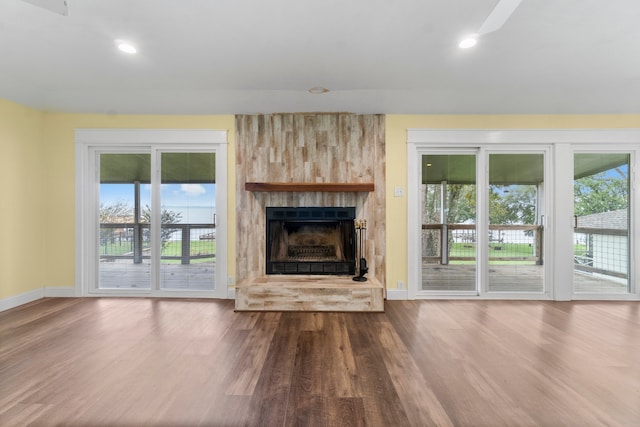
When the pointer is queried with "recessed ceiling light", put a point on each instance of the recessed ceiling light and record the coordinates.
(126, 46)
(318, 89)
(468, 42)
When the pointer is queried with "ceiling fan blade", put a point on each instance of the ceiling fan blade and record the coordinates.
(57, 6)
(499, 16)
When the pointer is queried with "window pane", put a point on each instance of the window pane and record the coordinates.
(601, 233)
(188, 233)
(124, 244)
(516, 183)
(448, 222)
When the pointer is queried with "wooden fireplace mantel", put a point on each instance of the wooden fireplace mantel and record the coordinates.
(309, 186)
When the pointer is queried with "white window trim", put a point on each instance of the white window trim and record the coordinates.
(563, 143)
(88, 141)
(469, 137)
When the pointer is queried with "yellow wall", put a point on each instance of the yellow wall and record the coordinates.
(396, 168)
(59, 179)
(21, 203)
(37, 172)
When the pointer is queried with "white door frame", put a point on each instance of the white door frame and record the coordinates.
(89, 142)
(482, 154)
(559, 211)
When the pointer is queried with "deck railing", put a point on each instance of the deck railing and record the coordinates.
(611, 248)
(445, 236)
(131, 241)
(443, 243)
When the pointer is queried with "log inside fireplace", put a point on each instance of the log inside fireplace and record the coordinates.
(310, 240)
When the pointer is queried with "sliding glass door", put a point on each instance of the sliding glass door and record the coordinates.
(448, 212)
(187, 221)
(601, 223)
(124, 245)
(151, 216)
(555, 214)
(181, 250)
(482, 213)
(516, 208)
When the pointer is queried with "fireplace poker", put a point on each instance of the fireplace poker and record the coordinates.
(361, 229)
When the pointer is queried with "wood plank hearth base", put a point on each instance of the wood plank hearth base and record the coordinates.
(309, 293)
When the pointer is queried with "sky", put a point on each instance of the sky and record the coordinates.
(196, 202)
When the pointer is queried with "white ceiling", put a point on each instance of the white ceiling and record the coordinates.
(375, 56)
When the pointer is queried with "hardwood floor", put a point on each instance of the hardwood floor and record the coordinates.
(130, 362)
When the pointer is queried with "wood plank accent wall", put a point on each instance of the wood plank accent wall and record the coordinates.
(308, 148)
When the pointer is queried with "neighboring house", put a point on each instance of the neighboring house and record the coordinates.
(607, 245)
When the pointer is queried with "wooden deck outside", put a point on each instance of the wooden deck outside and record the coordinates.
(508, 278)
(527, 278)
(124, 274)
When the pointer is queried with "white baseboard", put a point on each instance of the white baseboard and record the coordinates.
(24, 298)
(397, 294)
(59, 292)
(36, 294)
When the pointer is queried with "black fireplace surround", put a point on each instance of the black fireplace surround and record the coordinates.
(310, 240)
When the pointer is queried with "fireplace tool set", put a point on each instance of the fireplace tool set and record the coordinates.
(361, 231)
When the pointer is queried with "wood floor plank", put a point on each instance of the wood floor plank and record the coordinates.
(521, 360)
(252, 356)
(338, 359)
(381, 402)
(140, 361)
(269, 403)
(345, 411)
(418, 398)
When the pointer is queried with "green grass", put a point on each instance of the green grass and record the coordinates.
(579, 248)
(198, 247)
(506, 250)
(116, 248)
(173, 248)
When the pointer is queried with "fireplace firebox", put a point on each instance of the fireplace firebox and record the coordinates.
(310, 240)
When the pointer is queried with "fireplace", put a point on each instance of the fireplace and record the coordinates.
(310, 240)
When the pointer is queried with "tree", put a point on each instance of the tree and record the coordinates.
(460, 207)
(166, 217)
(116, 213)
(508, 204)
(461, 203)
(602, 192)
(512, 204)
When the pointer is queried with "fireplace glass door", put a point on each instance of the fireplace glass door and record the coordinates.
(310, 240)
